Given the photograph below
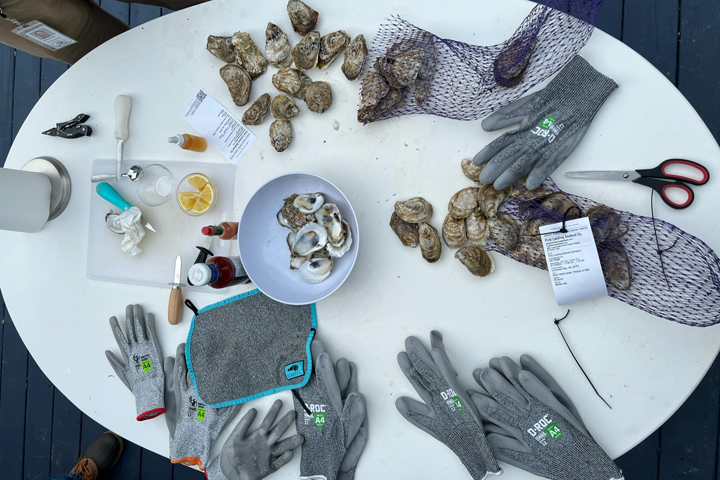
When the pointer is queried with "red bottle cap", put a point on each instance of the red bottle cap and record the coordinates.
(208, 230)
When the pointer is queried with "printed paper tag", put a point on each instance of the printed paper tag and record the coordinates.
(219, 127)
(37, 32)
(573, 261)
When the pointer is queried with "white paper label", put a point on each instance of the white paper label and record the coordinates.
(37, 32)
(219, 127)
(573, 261)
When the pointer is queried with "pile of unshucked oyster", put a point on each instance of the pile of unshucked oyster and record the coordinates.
(319, 234)
(245, 63)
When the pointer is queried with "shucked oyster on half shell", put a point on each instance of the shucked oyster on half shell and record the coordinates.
(316, 269)
(222, 48)
(248, 54)
(302, 17)
(415, 210)
(329, 217)
(344, 246)
(331, 46)
(239, 83)
(406, 232)
(310, 238)
(257, 111)
(355, 56)
(305, 52)
(277, 46)
(310, 202)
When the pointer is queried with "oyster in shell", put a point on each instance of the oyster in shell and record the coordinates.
(257, 111)
(415, 210)
(476, 259)
(248, 54)
(305, 52)
(511, 64)
(402, 63)
(453, 232)
(277, 47)
(316, 269)
(376, 97)
(305, 82)
(530, 254)
(476, 228)
(302, 17)
(310, 238)
(329, 217)
(288, 80)
(317, 96)
(343, 247)
(471, 170)
(563, 205)
(355, 56)
(421, 87)
(222, 48)
(309, 203)
(430, 244)
(504, 232)
(490, 200)
(281, 134)
(392, 100)
(606, 223)
(284, 107)
(464, 202)
(331, 45)
(239, 83)
(406, 232)
(615, 265)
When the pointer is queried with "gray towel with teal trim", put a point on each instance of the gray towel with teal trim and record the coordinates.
(249, 346)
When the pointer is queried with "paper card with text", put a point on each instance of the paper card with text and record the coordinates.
(573, 261)
(218, 126)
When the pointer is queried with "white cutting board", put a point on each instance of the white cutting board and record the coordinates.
(175, 231)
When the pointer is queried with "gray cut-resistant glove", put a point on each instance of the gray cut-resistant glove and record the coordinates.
(346, 375)
(328, 425)
(255, 455)
(447, 414)
(193, 426)
(140, 368)
(552, 122)
(540, 430)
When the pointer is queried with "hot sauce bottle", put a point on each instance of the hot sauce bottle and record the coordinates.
(218, 272)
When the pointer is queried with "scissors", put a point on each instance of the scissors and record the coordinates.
(656, 178)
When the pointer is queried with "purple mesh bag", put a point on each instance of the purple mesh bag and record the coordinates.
(648, 263)
(411, 71)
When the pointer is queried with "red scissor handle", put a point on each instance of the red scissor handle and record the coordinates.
(663, 187)
(661, 171)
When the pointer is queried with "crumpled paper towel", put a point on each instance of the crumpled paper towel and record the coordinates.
(129, 223)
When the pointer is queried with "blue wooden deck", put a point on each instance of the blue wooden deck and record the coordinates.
(42, 433)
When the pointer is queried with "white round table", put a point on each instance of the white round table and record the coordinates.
(645, 366)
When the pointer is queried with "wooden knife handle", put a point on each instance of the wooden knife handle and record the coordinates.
(175, 306)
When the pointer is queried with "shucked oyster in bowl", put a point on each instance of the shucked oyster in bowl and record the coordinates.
(274, 221)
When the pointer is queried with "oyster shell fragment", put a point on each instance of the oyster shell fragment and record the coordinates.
(302, 17)
(317, 96)
(430, 244)
(331, 46)
(284, 107)
(406, 232)
(477, 260)
(257, 111)
(221, 47)
(277, 46)
(305, 52)
(248, 54)
(239, 83)
(415, 210)
(355, 56)
(281, 134)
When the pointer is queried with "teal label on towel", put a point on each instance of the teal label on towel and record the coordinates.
(294, 370)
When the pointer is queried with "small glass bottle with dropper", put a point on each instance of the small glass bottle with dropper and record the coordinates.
(189, 142)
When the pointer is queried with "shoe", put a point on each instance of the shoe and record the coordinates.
(100, 456)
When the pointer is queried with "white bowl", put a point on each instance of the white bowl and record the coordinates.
(263, 246)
